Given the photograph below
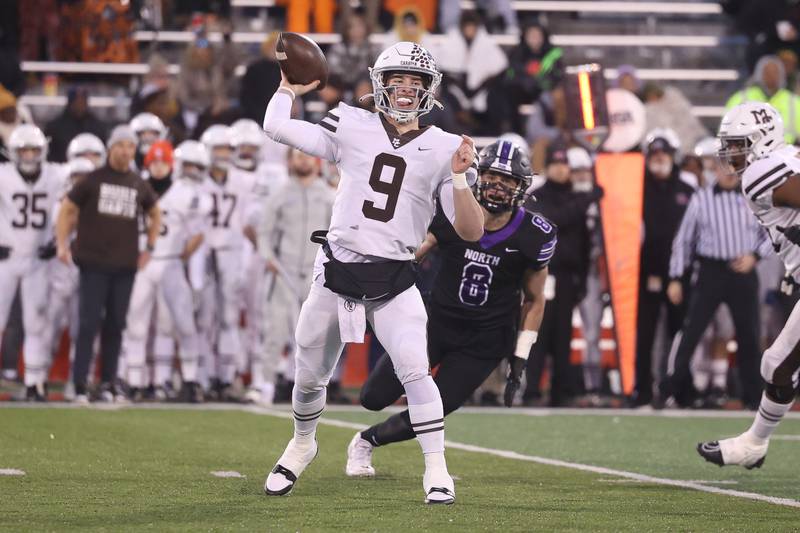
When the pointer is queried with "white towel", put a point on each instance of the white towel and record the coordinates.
(352, 320)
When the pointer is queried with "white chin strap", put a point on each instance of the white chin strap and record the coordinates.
(29, 167)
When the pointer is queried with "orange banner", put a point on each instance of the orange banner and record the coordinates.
(622, 178)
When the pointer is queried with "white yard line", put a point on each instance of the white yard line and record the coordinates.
(506, 454)
(785, 437)
(11, 472)
(227, 474)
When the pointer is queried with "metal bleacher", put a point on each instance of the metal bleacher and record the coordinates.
(688, 44)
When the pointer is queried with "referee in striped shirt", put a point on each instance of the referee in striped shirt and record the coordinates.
(720, 232)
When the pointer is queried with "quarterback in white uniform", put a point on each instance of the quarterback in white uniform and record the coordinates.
(29, 190)
(392, 172)
(163, 276)
(751, 135)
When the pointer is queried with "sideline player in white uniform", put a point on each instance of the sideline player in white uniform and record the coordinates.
(230, 191)
(751, 135)
(29, 189)
(303, 204)
(148, 129)
(180, 235)
(391, 171)
(88, 146)
(248, 140)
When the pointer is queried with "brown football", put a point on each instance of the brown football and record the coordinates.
(301, 59)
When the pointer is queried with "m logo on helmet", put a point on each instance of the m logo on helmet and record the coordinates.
(761, 116)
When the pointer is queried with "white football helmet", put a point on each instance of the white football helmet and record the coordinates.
(89, 146)
(247, 138)
(27, 136)
(748, 132)
(217, 136)
(195, 153)
(662, 139)
(148, 129)
(707, 147)
(79, 166)
(411, 58)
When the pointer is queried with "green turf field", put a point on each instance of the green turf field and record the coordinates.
(150, 469)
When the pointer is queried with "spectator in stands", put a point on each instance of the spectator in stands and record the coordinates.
(260, 81)
(351, 58)
(628, 79)
(768, 84)
(76, 118)
(771, 26)
(157, 79)
(107, 33)
(568, 269)
(409, 25)
(665, 200)
(473, 60)
(535, 67)
(371, 10)
(450, 14)
(667, 107)
(299, 13)
(12, 114)
(207, 76)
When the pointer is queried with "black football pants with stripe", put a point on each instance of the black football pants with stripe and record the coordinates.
(717, 284)
(465, 357)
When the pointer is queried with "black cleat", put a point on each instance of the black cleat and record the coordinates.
(36, 393)
(710, 452)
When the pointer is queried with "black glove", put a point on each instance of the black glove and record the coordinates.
(516, 366)
(792, 233)
(48, 251)
(5, 252)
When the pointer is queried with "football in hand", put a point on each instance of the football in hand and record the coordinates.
(301, 59)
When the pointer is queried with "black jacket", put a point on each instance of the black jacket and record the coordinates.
(567, 210)
(665, 202)
(62, 129)
(259, 83)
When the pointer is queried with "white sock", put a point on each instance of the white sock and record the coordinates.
(719, 373)
(162, 371)
(426, 414)
(768, 417)
(227, 368)
(307, 407)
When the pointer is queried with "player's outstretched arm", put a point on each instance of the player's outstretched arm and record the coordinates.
(468, 221)
(300, 134)
(531, 320)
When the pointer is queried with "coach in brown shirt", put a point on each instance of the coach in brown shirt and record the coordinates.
(106, 207)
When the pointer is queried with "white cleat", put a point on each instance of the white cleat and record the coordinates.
(741, 450)
(294, 460)
(252, 395)
(359, 458)
(439, 487)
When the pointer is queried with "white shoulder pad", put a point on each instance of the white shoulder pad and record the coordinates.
(762, 176)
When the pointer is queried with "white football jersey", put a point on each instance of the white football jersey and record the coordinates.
(230, 206)
(266, 178)
(758, 181)
(389, 182)
(26, 209)
(183, 215)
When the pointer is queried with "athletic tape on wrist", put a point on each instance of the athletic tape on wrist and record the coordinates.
(460, 181)
(525, 341)
(288, 91)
